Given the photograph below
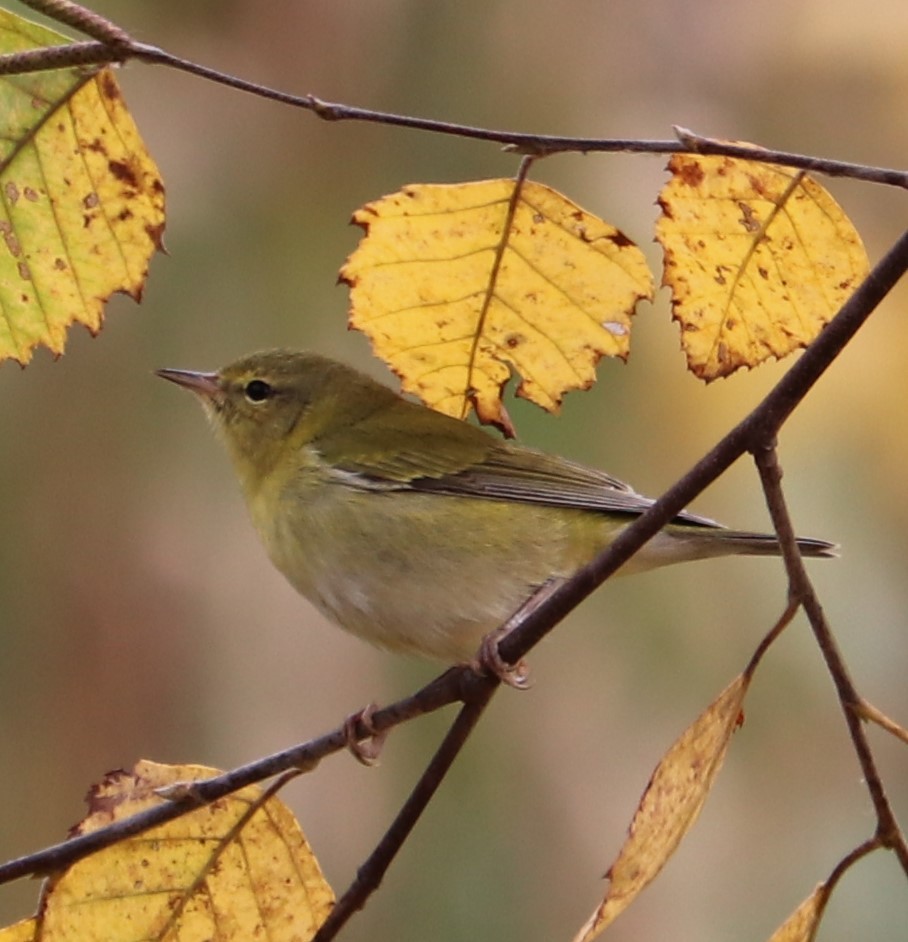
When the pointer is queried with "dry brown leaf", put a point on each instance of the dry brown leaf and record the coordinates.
(758, 259)
(670, 805)
(422, 289)
(202, 876)
(82, 206)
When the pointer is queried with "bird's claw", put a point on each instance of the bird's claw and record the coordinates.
(365, 749)
(490, 662)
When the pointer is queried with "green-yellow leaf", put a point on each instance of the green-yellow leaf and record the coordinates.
(81, 201)
(758, 259)
(455, 292)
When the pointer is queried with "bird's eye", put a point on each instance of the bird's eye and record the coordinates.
(257, 390)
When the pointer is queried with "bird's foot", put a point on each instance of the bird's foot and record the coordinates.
(489, 662)
(365, 748)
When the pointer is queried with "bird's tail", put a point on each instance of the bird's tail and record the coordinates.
(721, 542)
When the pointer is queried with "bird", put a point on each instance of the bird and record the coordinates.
(414, 530)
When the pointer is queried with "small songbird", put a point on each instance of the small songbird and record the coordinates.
(414, 530)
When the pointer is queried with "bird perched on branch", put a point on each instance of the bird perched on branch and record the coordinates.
(412, 529)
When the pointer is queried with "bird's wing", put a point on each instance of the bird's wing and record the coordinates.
(522, 474)
(447, 456)
(396, 445)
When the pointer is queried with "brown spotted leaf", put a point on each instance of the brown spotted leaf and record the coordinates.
(459, 286)
(238, 869)
(81, 201)
(758, 259)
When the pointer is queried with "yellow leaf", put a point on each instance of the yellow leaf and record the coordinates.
(81, 202)
(207, 875)
(758, 259)
(453, 324)
(670, 805)
(23, 931)
(802, 924)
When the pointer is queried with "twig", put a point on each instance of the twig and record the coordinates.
(867, 711)
(370, 874)
(801, 588)
(448, 688)
(114, 45)
(783, 622)
(81, 18)
(849, 860)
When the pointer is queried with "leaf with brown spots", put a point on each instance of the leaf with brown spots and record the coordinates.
(238, 869)
(758, 259)
(459, 286)
(81, 201)
(670, 804)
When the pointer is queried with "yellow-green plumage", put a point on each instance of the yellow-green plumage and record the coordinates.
(413, 530)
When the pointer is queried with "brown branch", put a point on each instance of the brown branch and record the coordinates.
(81, 18)
(452, 686)
(867, 711)
(114, 45)
(783, 622)
(849, 860)
(59, 57)
(370, 874)
(801, 588)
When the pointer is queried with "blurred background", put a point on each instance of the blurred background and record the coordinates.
(140, 617)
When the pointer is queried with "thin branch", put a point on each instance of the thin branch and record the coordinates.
(370, 874)
(60, 57)
(695, 144)
(849, 860)
(81, 18)
(801, 588)
(867, 711)
(452, 686)
(783, 622)
(121, 48)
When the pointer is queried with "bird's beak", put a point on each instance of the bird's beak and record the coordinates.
(204, 385)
